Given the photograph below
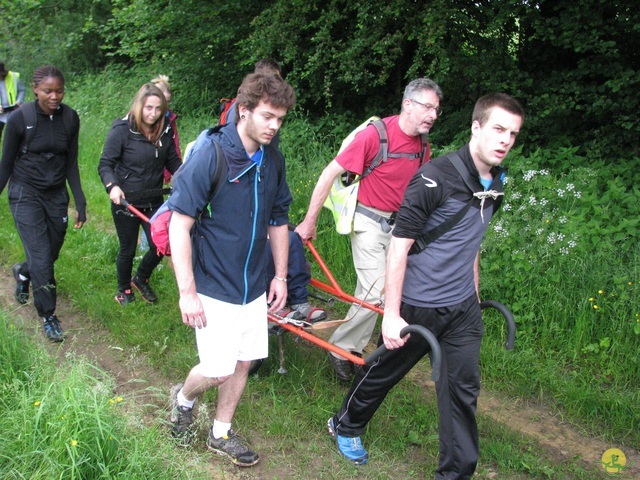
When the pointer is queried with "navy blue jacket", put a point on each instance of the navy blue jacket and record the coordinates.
(231, 233)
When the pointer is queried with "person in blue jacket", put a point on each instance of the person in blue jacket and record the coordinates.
(220, 266)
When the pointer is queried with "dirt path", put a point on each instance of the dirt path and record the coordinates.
(134, 376)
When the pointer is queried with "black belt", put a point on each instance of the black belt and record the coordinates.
(9, 109)
(385, 223)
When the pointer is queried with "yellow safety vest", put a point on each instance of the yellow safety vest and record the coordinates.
(11, 85)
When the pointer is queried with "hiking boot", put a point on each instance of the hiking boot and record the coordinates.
(311, 314)
(52, 329)
(230, 446)
(181, 419)
(349, 447)
(341, 368)
(123, 298)
(145, 289)
(22, 286)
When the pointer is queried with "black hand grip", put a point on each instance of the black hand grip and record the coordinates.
(508, 316)
(436, 355)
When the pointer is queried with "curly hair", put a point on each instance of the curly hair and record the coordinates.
(271, 89)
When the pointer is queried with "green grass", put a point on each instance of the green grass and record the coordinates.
(582, 361)
(66, 423)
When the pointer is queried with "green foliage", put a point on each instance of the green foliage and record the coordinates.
(192, 41)
(563, 255)
(41, 32)
(66, 423)
(572, 64)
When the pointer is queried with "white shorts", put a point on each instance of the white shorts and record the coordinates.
(233, 333)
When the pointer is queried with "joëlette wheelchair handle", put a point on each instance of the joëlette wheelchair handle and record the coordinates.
(133, 210)
(436, 355)
(508, 316)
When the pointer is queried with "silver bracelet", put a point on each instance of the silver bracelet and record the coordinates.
(281, 279)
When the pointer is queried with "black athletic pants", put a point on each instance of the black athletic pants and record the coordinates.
(41, 220)
(128, 228)
(459, 331)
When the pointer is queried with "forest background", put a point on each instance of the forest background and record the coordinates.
(563, 254)
(573, 64)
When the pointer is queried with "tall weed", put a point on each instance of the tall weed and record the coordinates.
(564, 256)
(66, 423)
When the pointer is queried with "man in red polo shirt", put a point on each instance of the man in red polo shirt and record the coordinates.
(379, 197)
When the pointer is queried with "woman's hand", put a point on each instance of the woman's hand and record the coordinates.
(116, 194)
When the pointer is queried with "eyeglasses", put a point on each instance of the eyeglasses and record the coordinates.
(428, 107)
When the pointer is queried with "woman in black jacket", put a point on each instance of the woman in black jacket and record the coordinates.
(137, 150)
(40, 155)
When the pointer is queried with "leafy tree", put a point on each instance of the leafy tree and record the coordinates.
(38, 32)
(191, 40)
(574, 64)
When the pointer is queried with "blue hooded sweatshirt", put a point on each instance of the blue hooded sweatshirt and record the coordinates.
(231, 231)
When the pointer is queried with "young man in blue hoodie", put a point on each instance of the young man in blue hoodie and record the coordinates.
(220, 268)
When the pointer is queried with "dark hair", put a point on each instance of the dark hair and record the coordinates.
(135, 112)
(268, 88)
(267, 66)
(484, 105)
(46, 71)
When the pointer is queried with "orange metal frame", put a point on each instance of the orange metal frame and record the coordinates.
(332, 288)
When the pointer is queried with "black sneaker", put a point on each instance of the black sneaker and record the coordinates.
(22, 286)
(145, 289)
(230, 446)
(181, 419)
(341, 368)
(123, 298)
(52, 329)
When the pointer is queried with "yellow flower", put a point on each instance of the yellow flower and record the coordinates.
(600, 292)
(111, 401)
(119, 399)
(630, 283)
(591, 299)
(596, 307)
(548, 221)
(74, 443)
(36, 403)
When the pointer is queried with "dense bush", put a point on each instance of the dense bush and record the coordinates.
(573, 64)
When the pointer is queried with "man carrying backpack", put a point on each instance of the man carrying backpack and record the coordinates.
(379, 197)
(437, 287)
(220, 265)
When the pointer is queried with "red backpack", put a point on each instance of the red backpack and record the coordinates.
(159, 223)
(224, 108)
